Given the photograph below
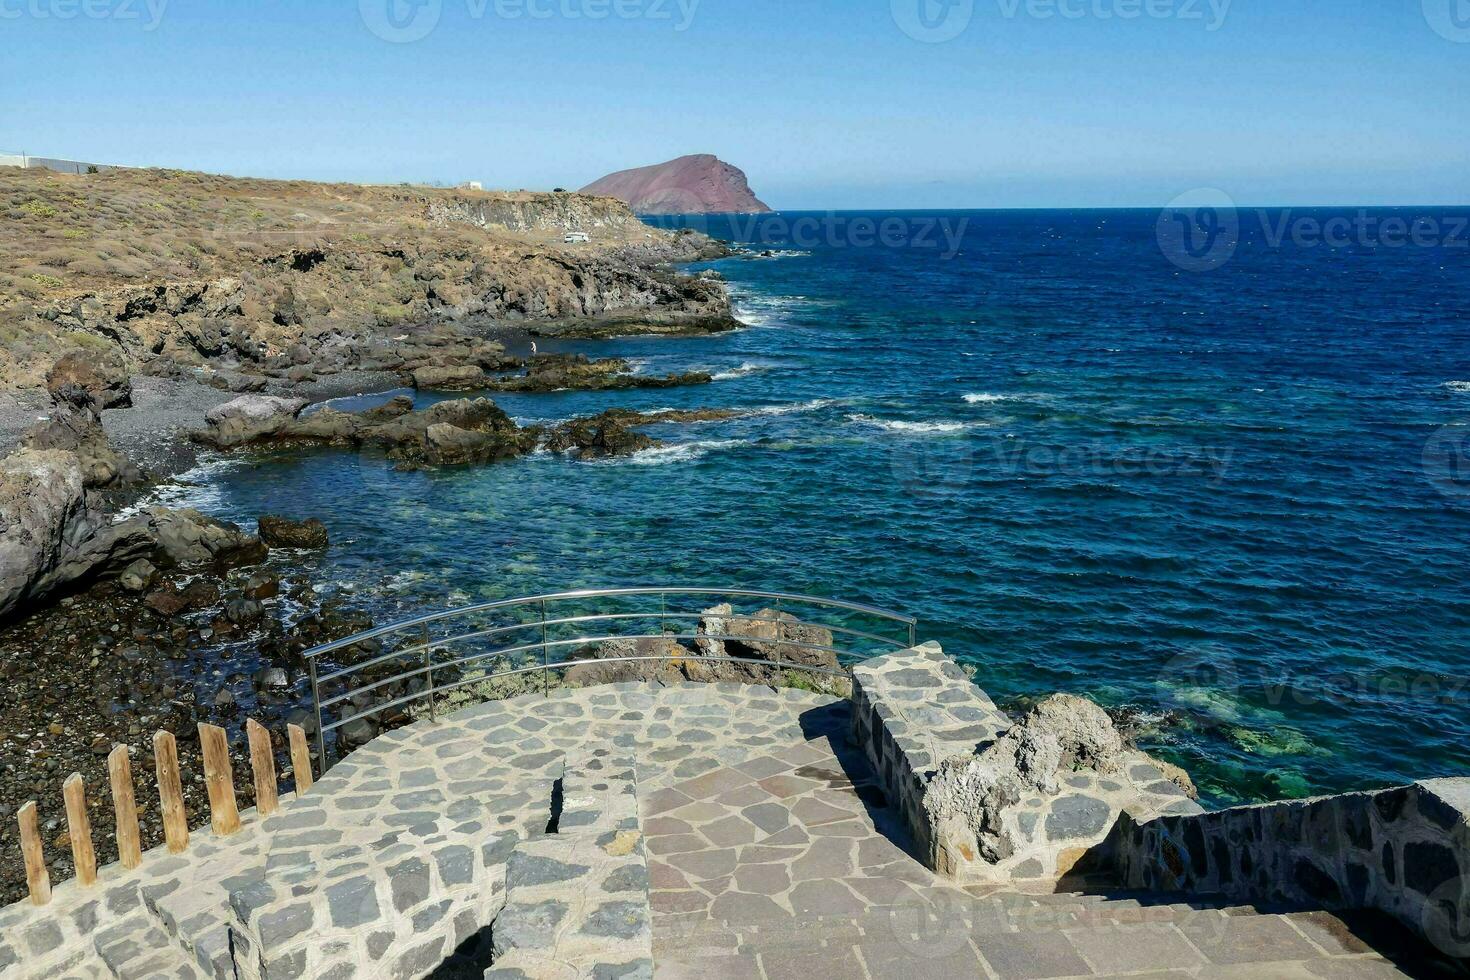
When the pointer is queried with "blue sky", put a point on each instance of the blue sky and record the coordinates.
(825, 103)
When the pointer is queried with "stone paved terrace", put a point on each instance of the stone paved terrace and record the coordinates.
(725, 830)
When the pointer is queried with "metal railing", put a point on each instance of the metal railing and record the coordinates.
(385, 672)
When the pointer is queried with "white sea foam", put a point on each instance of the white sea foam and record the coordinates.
(796, 408)
(744, 370)
(1458, 387)
(896, 425)
(196, 489)
(683, 452)
(985, 398)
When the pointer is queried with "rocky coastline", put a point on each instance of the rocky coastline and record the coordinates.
(118, 620)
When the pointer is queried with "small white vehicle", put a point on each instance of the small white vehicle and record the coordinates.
(577, 238)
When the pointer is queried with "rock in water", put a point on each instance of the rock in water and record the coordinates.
(698, 184)
(278, 532)
(186, 538)
(599, 437)
(248, 418)
(91, 381)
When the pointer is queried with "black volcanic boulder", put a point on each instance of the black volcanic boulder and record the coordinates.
(91, 381)
(308, 535)
(598, 437)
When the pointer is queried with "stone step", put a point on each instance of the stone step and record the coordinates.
(397, 904)
(192, 904)
(1010, 915)
(137, 948)
(599, 793)
(576, 906)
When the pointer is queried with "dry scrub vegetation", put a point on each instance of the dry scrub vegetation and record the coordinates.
(285, 259)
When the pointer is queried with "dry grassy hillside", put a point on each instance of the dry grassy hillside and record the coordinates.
(189, 266)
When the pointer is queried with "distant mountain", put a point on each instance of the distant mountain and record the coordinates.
(699, 184)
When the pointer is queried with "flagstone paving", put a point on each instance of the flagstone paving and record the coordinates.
(768, 850)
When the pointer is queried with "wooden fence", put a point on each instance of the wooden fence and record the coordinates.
(218, 780)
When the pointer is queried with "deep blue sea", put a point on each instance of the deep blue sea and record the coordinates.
(1085, 451)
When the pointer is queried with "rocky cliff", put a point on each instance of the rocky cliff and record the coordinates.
(268, 278)
(700, 184)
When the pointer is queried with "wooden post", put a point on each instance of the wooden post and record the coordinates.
(300, 759)
(125, 808)
(79, 828)
(170, 792)
(219, 779)
(37, 878)
(263, 766)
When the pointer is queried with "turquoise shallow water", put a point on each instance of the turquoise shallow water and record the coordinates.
(1233, 500)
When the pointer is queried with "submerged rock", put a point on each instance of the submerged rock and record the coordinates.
(279, 532)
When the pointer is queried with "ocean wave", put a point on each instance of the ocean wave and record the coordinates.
(743, 371)
(682, 452)
(797, 408)
(194, 489)
(1458, 387)
(897, 425)
(985, 398)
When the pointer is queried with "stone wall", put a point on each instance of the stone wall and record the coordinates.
(1403, 851)
(934, 739)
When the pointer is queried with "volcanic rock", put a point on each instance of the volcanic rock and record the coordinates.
(697, 184)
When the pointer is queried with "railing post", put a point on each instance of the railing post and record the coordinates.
(780, 654)
(429, 676)
(545, 656)
(321, 735)
(913, 635)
